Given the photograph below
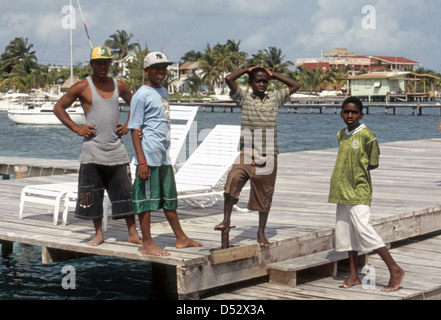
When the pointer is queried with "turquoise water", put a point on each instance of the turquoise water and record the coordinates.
(23, 276)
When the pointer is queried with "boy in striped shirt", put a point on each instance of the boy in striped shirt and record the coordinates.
(351, 189)
(257, 161)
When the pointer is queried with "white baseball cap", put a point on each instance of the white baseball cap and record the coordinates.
(155, 58)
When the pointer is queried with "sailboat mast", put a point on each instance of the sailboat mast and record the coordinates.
(71, 49)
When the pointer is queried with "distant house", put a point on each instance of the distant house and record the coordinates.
(343, 58)
(187, 69)
(389, 86)
(123, 63)
(392, 63)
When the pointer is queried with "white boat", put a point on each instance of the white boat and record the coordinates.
(44, 115)
(14, 101)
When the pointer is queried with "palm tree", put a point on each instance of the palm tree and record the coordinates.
(257, 59)
(227, 60)
(24, 82)
(194, 84)
(211, 71)
(336, 78)
(191, 56)
(120, 43)
(19, 56)
(272, 59)
(234, 47)
(312, 80)
(275, 61)
(217, 62)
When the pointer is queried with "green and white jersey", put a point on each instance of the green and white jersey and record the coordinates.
(358, 152)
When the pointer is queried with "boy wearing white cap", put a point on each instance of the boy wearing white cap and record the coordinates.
(154, 187)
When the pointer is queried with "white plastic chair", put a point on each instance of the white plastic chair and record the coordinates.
(49, 194)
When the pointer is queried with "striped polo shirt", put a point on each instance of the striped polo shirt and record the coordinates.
(259, 120)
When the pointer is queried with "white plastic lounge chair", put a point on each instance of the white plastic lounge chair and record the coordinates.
(182, 118)
(200, 180)
(49, 194)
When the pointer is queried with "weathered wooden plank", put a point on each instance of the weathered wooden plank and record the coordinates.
(233, 254)
(406, 191)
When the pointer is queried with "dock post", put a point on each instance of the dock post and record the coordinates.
(7, 247)
(225, 237)
(20, 171)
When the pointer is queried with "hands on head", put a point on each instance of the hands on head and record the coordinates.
(270, 74)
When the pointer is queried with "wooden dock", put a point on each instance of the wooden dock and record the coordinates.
(319, 106)
(406, 204)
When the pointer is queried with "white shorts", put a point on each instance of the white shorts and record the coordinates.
(353, 230)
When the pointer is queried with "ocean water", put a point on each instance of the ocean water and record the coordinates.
(24, 277)
(296, 132)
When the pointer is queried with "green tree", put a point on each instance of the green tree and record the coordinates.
(120, 44)
(228, 58)
(311, 80)
(18, 56)
(136, 74)
(24, 82)
(336, 79)
(194, 83)
(234, 47)
(191, 56)
(218, 61)
(210, 69)
(272, 59)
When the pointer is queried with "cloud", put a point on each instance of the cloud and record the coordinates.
(300, 28)
(398, 27)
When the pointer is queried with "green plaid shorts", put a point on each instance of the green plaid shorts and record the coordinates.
(158, 192)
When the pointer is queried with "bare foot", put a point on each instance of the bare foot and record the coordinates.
(222, 226)
(262, 240)
(153, 250)
(350, 282)
(394, 281)
(186, 243)
(96, 241)
(135, 239)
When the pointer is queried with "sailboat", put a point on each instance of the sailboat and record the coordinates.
(43, 114)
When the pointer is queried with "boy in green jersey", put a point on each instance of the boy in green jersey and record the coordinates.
(351, 189)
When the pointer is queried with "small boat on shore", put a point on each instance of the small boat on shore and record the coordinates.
(44, 115)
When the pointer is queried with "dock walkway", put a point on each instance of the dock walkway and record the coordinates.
(421, 260)
(406, 204)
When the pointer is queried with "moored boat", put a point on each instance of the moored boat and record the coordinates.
(14, 101)
(44, 115)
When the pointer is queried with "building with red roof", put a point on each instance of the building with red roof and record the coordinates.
(343, 58)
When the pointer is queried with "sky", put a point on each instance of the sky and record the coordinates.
(300, 28)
